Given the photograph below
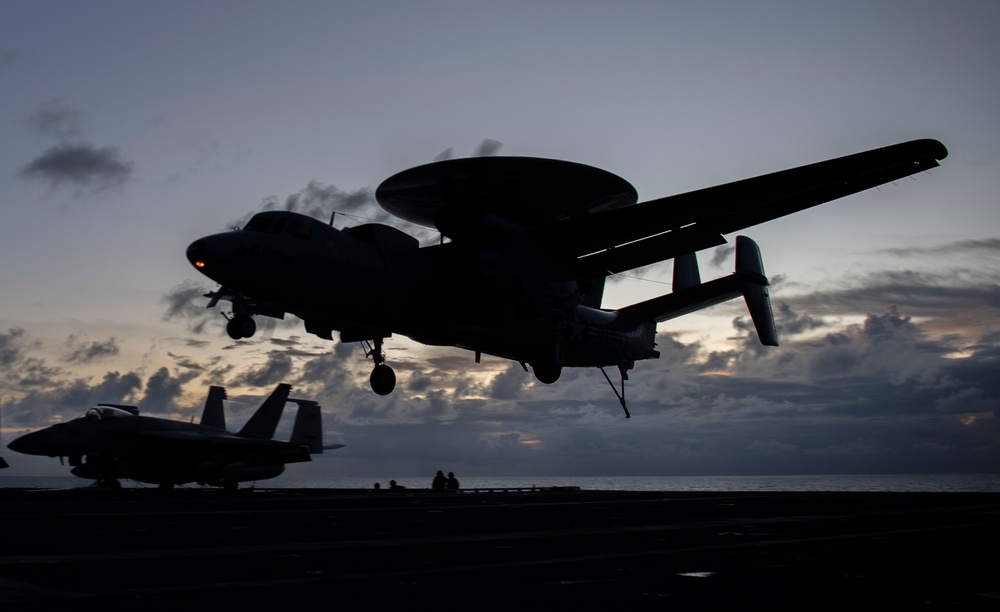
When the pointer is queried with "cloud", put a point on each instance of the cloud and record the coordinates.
(56, 119)
(81, 351)
(721, 255)
(19, 369)
(988, 246)
(510, 383)
(187, 302)
(162, 389)
(61, 399)
(8, 57)
(13, 345)
(921, 293)
(276, 370)
(321, 201)
(79, 165)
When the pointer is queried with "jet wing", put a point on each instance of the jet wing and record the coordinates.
(632, 236)
(201, 437)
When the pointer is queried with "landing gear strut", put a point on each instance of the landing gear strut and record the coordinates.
(382, 379)
(621, 396)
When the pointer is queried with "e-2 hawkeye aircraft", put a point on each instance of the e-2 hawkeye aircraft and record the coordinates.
(112, 441)
(530, 244)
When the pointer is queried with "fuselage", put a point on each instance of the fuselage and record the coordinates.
(499, 297)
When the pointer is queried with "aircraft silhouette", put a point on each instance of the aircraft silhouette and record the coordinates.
(530, 244)
(113, 441)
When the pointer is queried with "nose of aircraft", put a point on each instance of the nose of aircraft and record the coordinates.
(196, 254)
(30, 444)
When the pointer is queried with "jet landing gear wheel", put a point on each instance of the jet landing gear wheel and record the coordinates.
(241, 326)
(383, 379)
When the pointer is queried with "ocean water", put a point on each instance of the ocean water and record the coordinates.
(868, 482)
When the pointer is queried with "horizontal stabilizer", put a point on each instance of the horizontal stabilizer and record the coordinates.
(748, 281)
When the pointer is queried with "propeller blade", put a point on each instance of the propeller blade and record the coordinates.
(488, 147)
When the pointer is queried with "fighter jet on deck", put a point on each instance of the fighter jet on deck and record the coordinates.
(112, 441)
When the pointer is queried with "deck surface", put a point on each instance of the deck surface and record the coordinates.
(149, 550)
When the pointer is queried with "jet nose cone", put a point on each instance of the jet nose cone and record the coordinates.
(29, 444)
(196, 254)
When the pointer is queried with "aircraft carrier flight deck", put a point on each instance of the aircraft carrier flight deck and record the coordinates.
(145, 549)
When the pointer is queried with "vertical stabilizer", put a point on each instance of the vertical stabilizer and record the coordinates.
(308, 429)
(753, 285)
(595, 293)
(686, 273)
(213, 415)
(264, 422)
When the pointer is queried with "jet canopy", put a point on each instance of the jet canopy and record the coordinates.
(102, 413)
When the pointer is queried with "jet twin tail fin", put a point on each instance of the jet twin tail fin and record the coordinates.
(213, 415)
(264, 422)
(691, 295)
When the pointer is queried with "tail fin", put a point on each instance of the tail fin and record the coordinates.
(308, 428)
(753, 286)
(686, 273)
(212, 415)
(264, 422)
(595, 293)
(690, 294)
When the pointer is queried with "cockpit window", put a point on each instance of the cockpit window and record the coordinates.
(259, 223)
(298, 227)
(280, 224)
(104, 412)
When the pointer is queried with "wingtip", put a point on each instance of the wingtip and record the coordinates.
(933, 148)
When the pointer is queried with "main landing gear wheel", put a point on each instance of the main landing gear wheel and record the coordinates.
(241, 326)
(383, 379)
(546, 373)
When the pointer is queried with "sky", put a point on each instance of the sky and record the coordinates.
(132, 128)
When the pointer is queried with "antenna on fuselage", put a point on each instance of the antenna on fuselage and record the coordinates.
(332, 215)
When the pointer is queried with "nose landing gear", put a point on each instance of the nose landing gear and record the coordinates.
(382, 379)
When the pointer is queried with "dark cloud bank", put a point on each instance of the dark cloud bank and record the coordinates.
(879, 396)
(79, 165)
(73, 163)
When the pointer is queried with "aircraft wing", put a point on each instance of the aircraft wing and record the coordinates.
(213, 438)
(632, 236)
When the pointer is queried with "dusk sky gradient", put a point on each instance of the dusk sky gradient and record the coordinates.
(132, 128)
